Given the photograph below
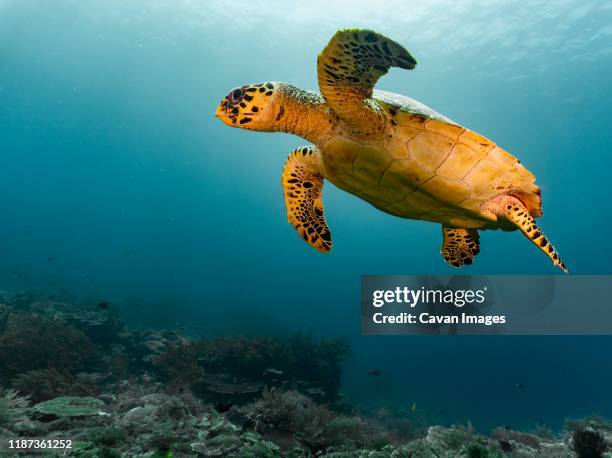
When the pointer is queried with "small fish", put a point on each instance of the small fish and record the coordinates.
(50, 258)
(413, 408)
(273, 371)
(375, 372)
(520, 386)
(223, 406)
(315, 392)
(103, 305)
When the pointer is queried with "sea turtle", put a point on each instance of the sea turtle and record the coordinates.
(390, 150)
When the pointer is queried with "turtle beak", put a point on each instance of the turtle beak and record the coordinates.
(223, 112)
(221, 108)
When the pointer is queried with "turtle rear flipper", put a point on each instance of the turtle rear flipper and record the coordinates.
(460, 246)
(514, 211)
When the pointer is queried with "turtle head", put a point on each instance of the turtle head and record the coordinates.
(253, 107)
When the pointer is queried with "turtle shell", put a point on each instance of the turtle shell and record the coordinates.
(427, 167)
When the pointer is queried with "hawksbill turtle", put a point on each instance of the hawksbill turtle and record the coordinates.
(390, 150)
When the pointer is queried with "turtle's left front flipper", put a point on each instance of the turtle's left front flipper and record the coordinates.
(302, 182)
(349, 67)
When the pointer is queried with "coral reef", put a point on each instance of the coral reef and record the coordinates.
(70, 406)
(177, 365)
(44, 384)
(303, 422)
(101, 325)
(589, 443)
(314, 365)
(78, 372)
(31, 342)
(13, 408)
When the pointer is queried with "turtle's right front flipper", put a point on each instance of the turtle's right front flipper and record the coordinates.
(302, 182)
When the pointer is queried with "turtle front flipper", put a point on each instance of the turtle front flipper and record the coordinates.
(459, 246)
(302, 182)
(349, 67)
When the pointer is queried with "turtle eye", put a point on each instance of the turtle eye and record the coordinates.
(235, 96)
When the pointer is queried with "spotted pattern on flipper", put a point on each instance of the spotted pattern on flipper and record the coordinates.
(302, 183)
(513, 210)
(351, 64)
(459, 246)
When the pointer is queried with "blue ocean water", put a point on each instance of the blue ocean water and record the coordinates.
(117, 182)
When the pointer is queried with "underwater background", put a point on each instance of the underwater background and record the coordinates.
(118, 184)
